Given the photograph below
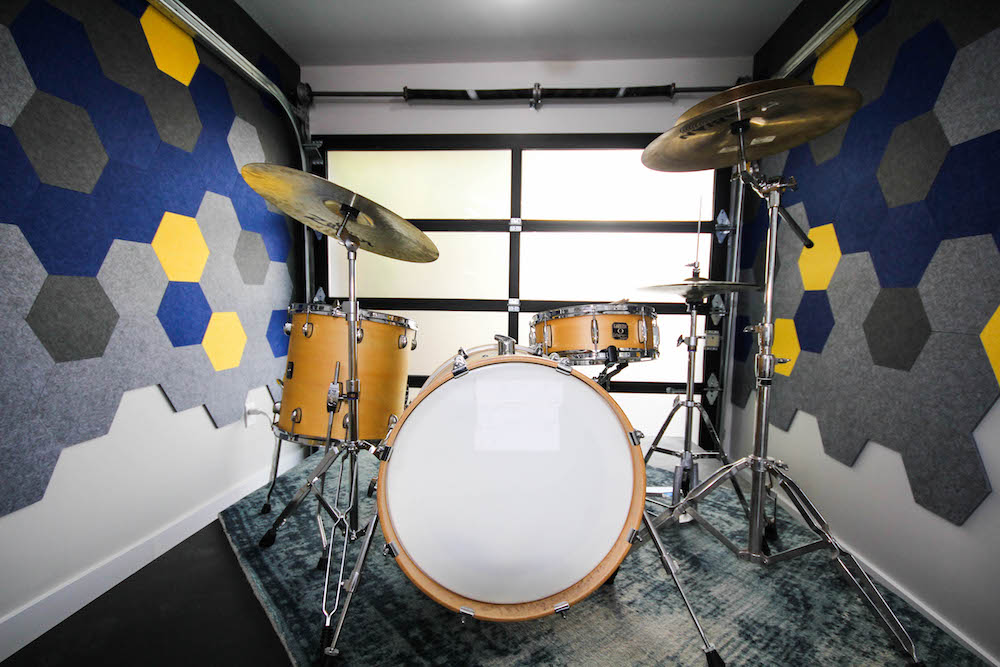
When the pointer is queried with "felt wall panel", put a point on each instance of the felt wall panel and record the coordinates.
(104, 146)
(912, 199)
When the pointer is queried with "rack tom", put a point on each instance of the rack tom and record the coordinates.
(582, 334)
(318, 340)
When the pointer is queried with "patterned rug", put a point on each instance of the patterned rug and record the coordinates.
(793, 613)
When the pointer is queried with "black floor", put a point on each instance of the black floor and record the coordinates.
(191, 606)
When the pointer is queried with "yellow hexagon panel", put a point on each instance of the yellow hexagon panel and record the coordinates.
(991, 341)
(818, 263)
(173, 49)
(786, 345)
(181, 248)
(831, 67)
(224, 341)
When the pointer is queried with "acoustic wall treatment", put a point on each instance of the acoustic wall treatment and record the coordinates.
(132, 253)
(891, 322)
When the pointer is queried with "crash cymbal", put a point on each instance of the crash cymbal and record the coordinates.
(318, 203)
(782, 114)
(697, 289)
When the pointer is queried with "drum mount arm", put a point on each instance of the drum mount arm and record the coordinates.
(604, 379)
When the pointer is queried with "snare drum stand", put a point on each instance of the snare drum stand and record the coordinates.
(686, 472)
(765, 470)
(345, 520)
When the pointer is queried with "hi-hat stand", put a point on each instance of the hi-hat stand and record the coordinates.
(765, 471)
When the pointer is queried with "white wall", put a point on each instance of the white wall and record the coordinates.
(952, 572)
(117, 502)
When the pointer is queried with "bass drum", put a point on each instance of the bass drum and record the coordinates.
(512, 488)
(487, 351)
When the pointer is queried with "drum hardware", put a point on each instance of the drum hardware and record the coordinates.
(612, 360)
(581, 334)
(731, 129)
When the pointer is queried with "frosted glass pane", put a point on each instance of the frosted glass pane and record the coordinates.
(472, 265)
(671, 366)
(593, 266)
(609, 184)
(442, 333)
(429, 184)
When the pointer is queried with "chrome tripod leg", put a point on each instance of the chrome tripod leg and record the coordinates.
(266, 508)
(300, 495)
(670, 566)
(849, 567)
(331, 634)
(663, 429)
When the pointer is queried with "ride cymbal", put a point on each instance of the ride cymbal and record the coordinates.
(320, 204)
(781, 114)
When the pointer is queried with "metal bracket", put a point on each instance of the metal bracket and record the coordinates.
(633, 536)
(514, 225)
(391, 548)
(563, 366)
(562, 608)
(712, 339)
(351, 584)
(723, 225)
(459, 367)
(635, 436)
(513, 305)
(718, 309)
(712, 388)
(464, 612)
(384, 453)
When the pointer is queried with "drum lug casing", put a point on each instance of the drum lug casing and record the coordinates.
(459, 367)
(563, 366)
(287, 328)
(635, 436)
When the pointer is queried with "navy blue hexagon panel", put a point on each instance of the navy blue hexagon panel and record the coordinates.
(892, 321)
(131, 251)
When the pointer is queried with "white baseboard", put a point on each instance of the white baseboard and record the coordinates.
(25, 624)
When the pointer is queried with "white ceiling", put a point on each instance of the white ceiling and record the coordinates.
(368, 32)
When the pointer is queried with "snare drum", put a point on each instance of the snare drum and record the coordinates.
(581, 334)
(318, 340)
(512, 488)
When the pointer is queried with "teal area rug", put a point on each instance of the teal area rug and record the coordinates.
(794, 613)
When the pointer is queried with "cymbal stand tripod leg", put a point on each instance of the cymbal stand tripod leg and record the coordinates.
(331, 633)
(266, 508)
(711, 655)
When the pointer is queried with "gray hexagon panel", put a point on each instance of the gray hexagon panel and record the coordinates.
(133, 277)
(16, 85)
(916, 151)
(61, 143)
(897, 328)
(251, 258)
(72, 317)
(244, 143)
(21, 274)
(827, 146)
(966, 107)
(960, 288)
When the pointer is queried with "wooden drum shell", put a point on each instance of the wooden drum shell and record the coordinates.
(382, 370)
(571, 335)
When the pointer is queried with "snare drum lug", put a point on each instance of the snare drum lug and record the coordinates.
(464, 612)
(563, 367)
(595, 333)
(635, 436)
(562, 608)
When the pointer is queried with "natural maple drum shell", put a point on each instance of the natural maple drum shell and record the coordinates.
(574, 333)
(382, 369)
(522, 611)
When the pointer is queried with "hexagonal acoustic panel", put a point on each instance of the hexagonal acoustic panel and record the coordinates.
(990, 336)
(897, 328)
(224, 341)
(786, 345)
(813, 321)
(915, 153)
(173, 49)
(61, 143)
(16, 86)
(181, 248)
(73, 318)
(251, 258)
(818, 263)
(831, 67)
(184, 313)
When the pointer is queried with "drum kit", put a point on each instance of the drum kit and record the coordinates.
(473, 469)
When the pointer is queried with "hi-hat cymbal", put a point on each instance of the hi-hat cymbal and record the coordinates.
(319, 204)
(782, 114)
(698, 289)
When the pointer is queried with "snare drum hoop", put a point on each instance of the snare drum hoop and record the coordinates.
(521, 611)
(590, 357)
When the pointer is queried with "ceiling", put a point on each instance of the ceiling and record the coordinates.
(369, 32)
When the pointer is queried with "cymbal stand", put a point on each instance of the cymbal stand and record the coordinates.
(686, 472)
(765, 470)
